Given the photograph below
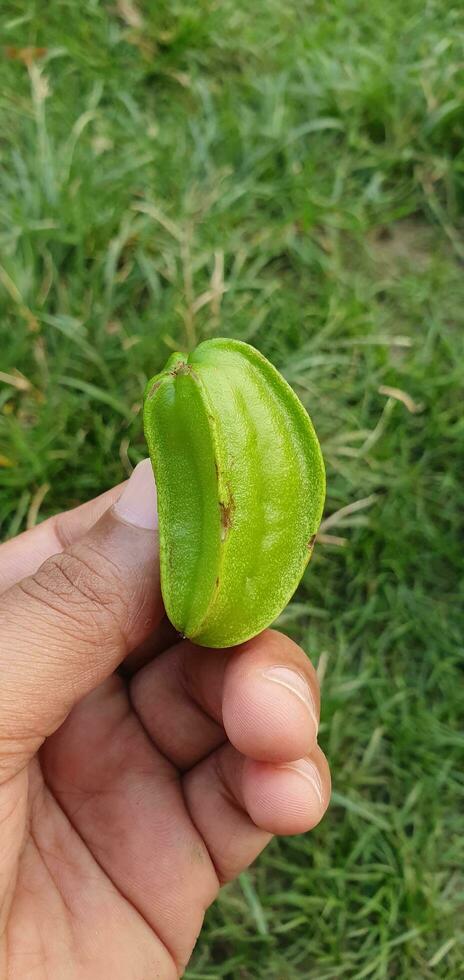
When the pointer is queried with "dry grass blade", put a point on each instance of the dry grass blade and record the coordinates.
(402, 396)
(16, 380)
(379, 429)
(217, 282)
(27, 55)
(35, 505)
(322, 667)
(145, 207)
(332, 539)
(124, 456)
(129, 13)
(340, 515)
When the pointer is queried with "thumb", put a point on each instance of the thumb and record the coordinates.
(66, 628)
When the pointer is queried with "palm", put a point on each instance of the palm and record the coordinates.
(115, 872)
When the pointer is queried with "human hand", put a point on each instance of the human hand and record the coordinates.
(137, 771)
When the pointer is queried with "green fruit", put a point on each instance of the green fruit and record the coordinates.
(241, 486)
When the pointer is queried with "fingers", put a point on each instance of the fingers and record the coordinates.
(290, 798)
(67, 627)
(262, 695)
(175, 721)
(232, 839)
(24, 554)
(270, 704)
(237, 804)
(271, 777)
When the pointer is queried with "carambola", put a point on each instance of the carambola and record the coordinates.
(241, 485)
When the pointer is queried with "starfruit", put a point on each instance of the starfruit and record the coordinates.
(241, 486)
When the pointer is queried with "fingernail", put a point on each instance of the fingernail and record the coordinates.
(307, 769)
(137, 504)
(298, 686)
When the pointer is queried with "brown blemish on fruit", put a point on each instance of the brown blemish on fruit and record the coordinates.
(227, 512)
(226, 517)
(153, 389)
(183, 368)
(311, 541)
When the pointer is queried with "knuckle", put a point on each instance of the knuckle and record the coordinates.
(60, 527)
(81, 584)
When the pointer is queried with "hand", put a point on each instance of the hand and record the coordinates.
(128, 796)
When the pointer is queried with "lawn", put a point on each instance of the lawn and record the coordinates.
(292, 174)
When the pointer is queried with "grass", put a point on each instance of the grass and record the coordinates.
(292, 175)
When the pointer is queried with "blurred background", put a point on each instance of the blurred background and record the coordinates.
(291, 174)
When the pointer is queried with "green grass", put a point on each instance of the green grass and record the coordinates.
(291, 174)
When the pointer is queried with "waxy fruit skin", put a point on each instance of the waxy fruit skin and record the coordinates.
(241, 486)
